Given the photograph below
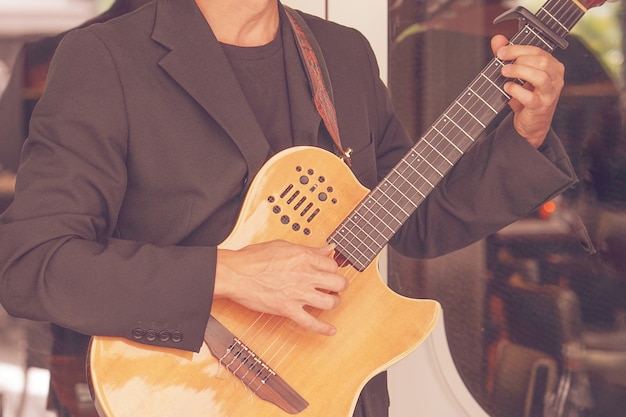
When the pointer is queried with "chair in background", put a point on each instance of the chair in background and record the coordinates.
(547, 318)
(524, 378)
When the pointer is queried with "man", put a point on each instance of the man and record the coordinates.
(152, 125)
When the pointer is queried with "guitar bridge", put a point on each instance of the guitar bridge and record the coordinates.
(250, 369)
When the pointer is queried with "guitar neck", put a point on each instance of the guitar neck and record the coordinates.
(361, 237)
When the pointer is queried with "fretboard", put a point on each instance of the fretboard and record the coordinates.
(363, 234)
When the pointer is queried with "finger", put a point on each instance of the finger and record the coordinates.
(544, 63)
(515, 104)
(512, 52)
(498, 42)
(324, 264)
(328, 249)
(521, 96)
(524, 66)
(331, 283)
(532, 57)
(309, 322)
(323, 300)
(539, 92)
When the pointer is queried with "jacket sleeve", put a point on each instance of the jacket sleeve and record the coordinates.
(59, 258)
(500, 180)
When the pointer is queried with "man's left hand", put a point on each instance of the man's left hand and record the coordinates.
(534, 102)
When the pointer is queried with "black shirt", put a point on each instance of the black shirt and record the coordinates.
(260, 71)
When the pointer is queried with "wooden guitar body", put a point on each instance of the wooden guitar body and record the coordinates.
(301, 195)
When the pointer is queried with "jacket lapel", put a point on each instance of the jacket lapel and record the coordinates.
(198, 64)
(196, 61)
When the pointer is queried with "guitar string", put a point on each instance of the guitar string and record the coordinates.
(350, 276)
(290, 345)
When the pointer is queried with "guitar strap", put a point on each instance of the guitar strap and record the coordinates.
(319, 80)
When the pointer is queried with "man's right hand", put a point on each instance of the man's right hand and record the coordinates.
(281, 278)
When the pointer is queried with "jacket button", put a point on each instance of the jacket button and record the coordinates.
(137, 333)
(164, 335)
(151, 335)
(176, 337)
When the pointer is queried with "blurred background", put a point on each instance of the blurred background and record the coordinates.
(535, 323)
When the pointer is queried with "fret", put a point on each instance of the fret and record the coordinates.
(350, 250)
(437, 150)
(491, 82)
(415, 180)
(433, 149)
(409, 182)
(462, 117)
(379, 219)
(430, 165)
(438, 136)
(487, 105)
(397, 197)
(379, 216)
(361, 247)
(553, 19)
(530, 36)
(569, 11)
(540, 38)
(452, 128)
(476, 107)
(396, 176)
(434, 133)
(471, 114)
(366, 245)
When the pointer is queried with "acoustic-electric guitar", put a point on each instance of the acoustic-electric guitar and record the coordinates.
(259, 365)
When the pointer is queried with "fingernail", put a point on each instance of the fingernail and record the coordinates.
(328, 248)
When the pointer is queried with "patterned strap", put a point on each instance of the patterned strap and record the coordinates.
(318, 79)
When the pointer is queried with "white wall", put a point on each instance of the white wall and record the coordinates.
(37, 17)
(316, 7)
(369, 17)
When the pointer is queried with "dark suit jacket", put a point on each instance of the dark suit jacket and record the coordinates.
(140, 151)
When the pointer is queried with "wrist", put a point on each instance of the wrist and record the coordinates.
(223, 273)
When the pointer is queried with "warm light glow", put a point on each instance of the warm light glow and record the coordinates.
(547, 209)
